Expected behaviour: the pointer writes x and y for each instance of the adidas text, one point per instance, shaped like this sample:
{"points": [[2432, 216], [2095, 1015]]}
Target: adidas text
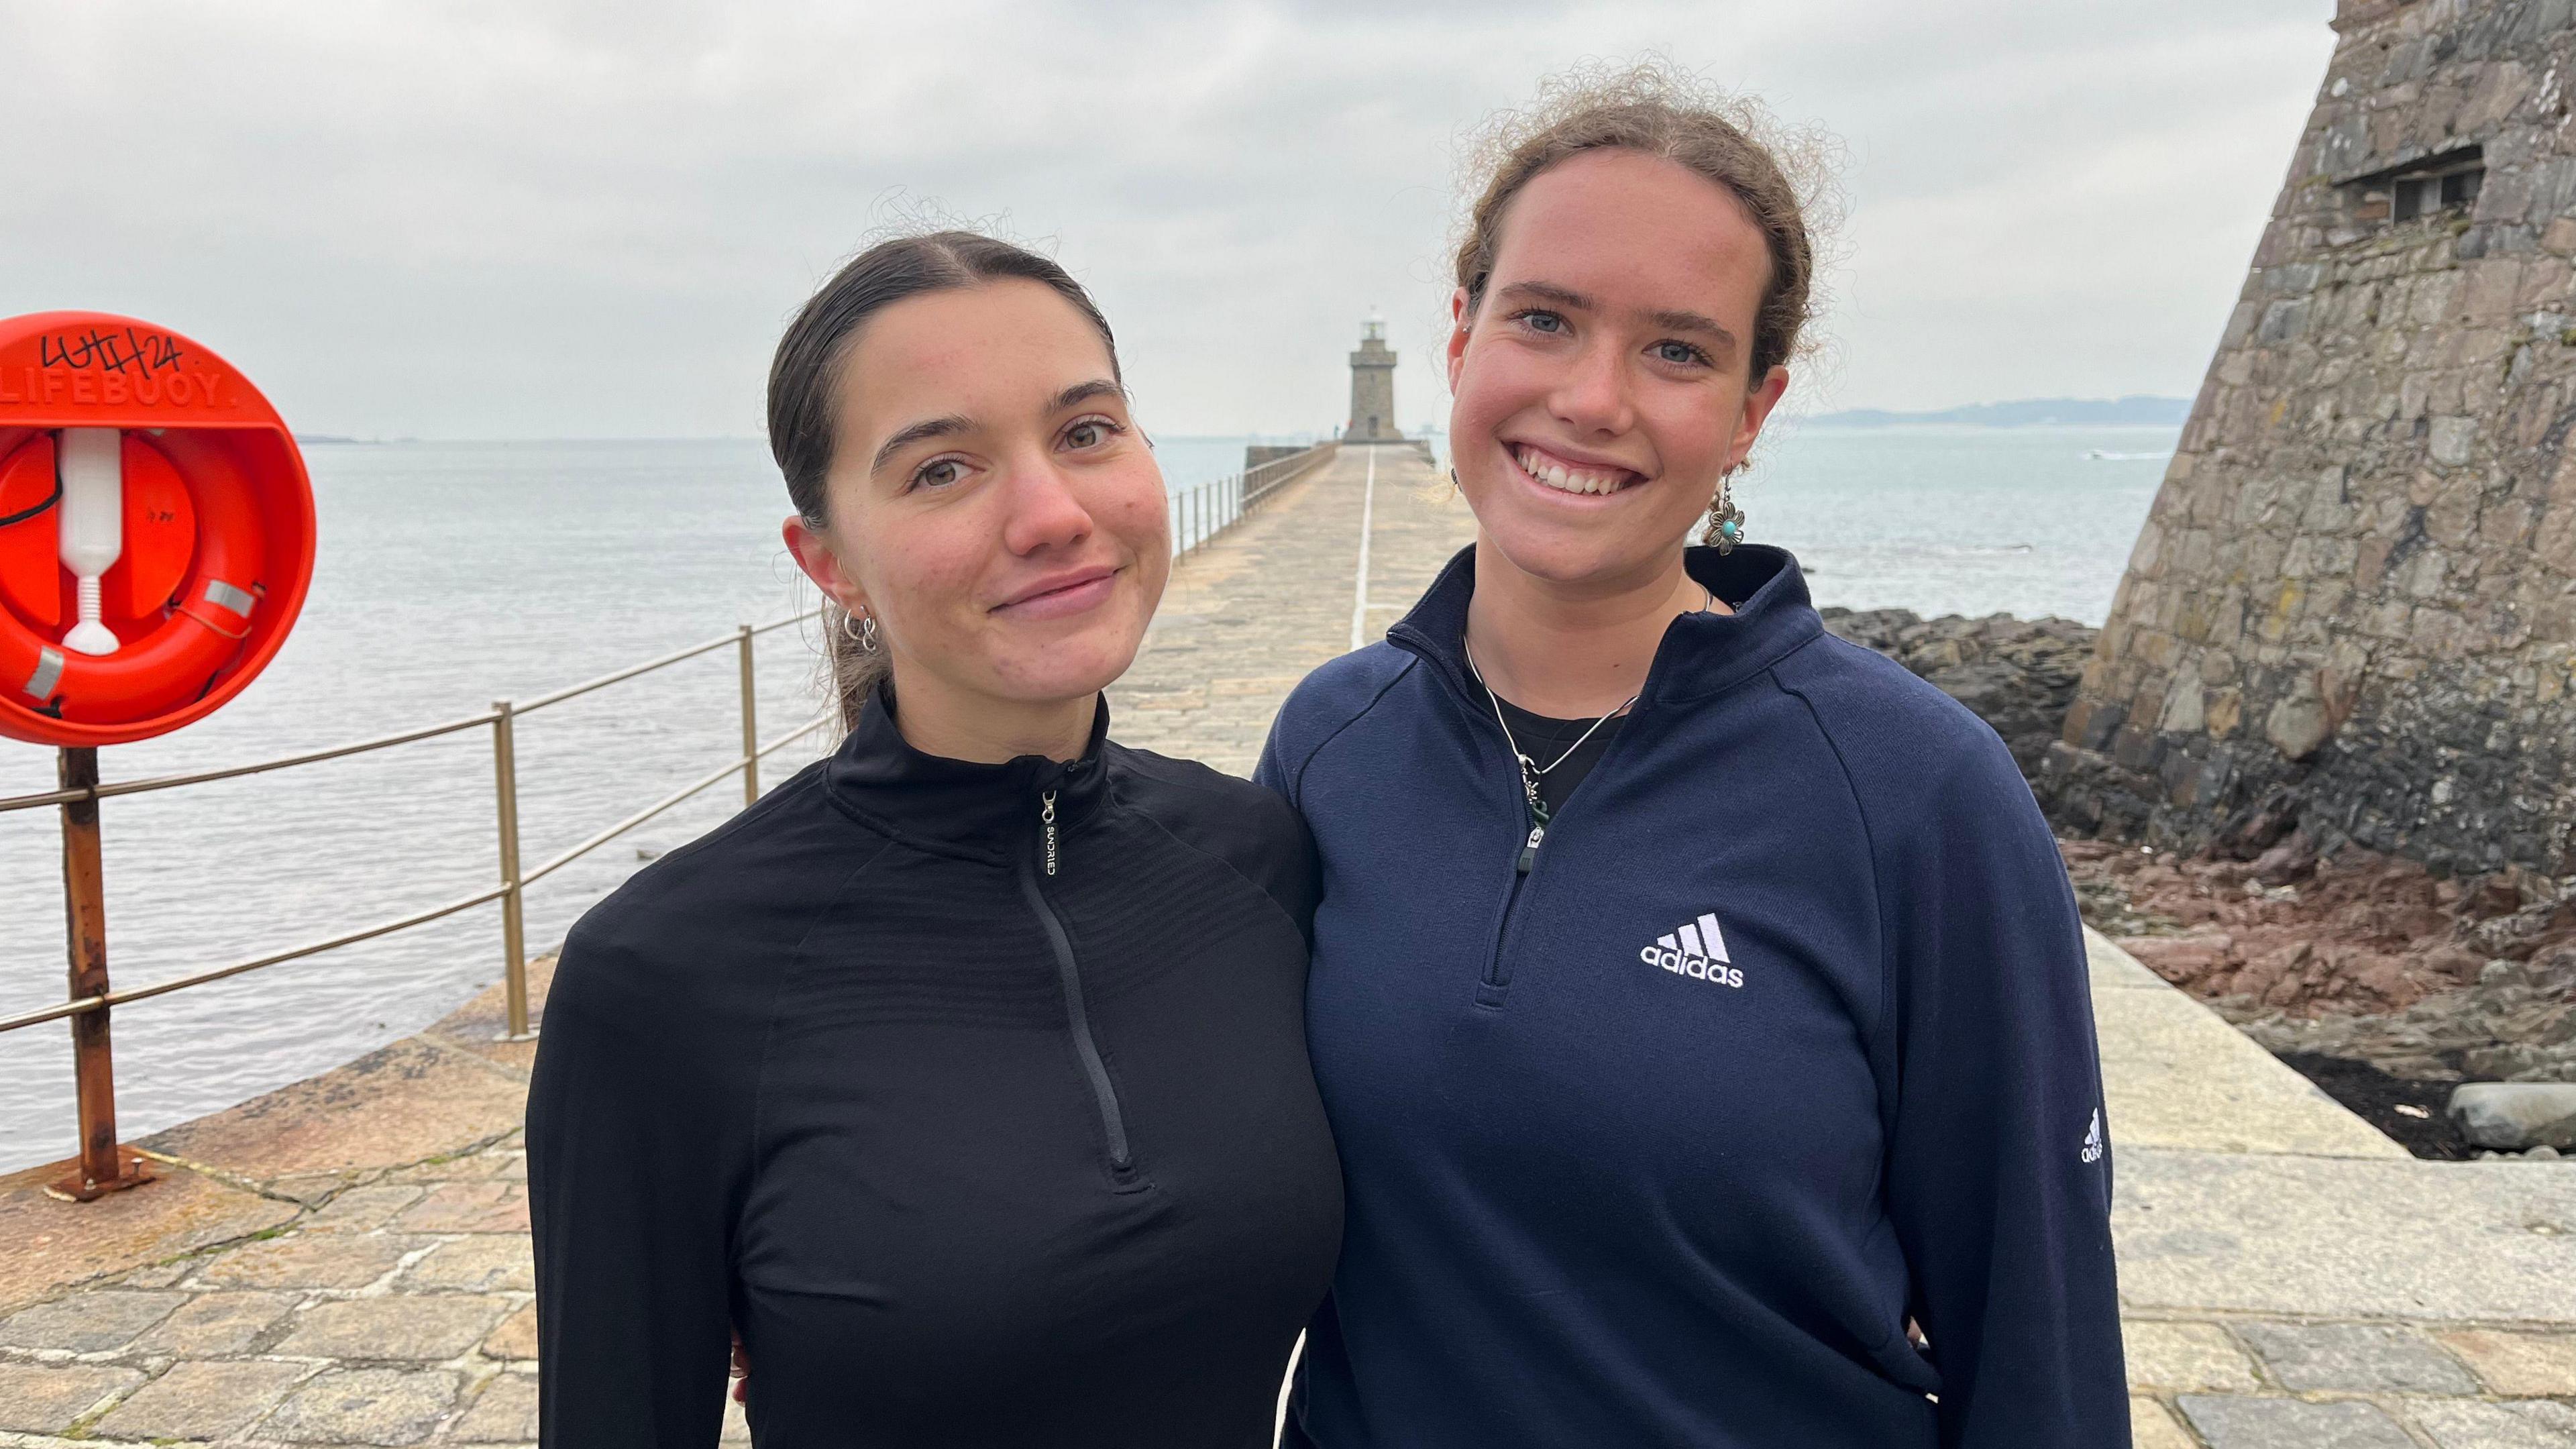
{"points": [[1697, 951]]}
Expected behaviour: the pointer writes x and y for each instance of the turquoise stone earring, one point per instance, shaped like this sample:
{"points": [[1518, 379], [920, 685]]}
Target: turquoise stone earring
{"points": [[1725, 520]]}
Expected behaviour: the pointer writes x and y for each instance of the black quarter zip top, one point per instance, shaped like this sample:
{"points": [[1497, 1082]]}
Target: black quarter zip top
{"points": [[975, 1096]]}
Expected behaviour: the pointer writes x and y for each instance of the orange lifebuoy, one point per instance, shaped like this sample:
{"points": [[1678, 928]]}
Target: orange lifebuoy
{"points": [[192, 633], [216, 544]]}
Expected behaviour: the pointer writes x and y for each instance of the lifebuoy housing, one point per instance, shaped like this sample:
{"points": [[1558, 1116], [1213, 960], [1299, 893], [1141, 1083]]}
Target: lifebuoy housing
{"points": [[156, 530]]}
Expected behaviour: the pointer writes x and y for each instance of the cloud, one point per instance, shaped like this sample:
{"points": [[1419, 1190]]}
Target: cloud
{"points": [[558, 219]]}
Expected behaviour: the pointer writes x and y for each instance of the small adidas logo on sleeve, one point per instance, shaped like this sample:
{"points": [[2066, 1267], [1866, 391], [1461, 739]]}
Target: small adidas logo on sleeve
{"points": [[1696, 950], [2093, 1146]]}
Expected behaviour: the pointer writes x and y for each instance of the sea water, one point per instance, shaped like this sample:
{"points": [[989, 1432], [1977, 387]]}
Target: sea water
{"points": [[451, 575]]}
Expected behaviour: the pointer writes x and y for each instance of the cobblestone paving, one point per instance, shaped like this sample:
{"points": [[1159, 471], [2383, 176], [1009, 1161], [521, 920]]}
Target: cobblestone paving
{"points": [[346, 1261], [392, 1306], [2252, 1383]]}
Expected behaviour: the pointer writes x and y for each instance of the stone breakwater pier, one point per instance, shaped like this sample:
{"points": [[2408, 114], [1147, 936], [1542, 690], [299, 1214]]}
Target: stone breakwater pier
{"points": [[345, 1261]]}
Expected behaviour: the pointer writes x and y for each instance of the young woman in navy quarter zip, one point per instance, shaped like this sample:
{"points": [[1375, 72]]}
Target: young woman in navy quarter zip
{"points": [[964, 1075], [1698, 1000]]}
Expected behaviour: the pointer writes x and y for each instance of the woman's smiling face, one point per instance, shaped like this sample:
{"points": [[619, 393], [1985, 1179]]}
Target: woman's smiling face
{"points": [[992, 504], [1601, 383]]}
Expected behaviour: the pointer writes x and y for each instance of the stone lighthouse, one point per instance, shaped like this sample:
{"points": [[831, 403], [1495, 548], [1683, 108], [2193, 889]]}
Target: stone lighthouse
{"points": [[1373, 388]]}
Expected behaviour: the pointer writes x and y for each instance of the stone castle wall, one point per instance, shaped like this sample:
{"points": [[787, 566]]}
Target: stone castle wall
{"points": [[2353, 606]]}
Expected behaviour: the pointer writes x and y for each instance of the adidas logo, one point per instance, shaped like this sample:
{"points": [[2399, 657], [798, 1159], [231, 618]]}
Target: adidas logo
{"points": [[1697, 951], [2093, 1139]]}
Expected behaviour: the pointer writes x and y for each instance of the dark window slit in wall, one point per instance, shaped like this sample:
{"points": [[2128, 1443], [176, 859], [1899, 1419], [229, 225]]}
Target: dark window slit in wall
{"points": [[2427, 186]]}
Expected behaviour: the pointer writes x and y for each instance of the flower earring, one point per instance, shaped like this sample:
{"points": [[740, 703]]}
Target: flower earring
{"points": [[1725, 520]]}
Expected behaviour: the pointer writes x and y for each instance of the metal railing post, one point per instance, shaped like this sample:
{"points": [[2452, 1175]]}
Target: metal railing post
{"points": [[750, 724], [102, 1168], [514, 952]]}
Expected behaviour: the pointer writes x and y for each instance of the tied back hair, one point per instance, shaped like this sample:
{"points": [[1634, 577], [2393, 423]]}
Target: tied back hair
{"points": [[1782, 178], [808, 379]]}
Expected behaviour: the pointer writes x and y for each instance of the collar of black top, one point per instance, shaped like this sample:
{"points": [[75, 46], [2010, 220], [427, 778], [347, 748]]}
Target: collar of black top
{"points": [[1702, 653], [989, 812]]}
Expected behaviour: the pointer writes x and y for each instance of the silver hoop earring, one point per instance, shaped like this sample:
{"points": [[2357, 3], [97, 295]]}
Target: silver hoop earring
{"points": [[865, 636]]}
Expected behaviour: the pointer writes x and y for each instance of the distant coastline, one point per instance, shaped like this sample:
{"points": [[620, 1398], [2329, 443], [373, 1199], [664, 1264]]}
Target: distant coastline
{"points": [[2032, 412]]}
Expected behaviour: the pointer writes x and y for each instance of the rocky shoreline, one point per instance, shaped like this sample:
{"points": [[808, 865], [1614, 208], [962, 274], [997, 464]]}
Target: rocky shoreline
{"points": [[2382, 981]]}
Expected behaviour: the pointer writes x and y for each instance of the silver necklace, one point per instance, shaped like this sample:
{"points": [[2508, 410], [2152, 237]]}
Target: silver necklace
{"points": [[1532, 772]]}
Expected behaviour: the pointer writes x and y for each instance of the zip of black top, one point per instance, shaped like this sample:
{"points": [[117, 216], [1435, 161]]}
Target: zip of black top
{"points": [[1113, 1122]]}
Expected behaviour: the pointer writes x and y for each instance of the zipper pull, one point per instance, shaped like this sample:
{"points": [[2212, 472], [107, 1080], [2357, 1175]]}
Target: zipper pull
{"points": [[1529, 848], [1046, 818]]}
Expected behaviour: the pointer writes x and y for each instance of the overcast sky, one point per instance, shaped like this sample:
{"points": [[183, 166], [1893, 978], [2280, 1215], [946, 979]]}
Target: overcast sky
{"points": [[543, 219]]}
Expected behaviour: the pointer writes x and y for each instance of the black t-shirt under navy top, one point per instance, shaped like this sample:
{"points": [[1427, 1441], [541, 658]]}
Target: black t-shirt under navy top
{"points": [[1560, 747], [976, 1095], [1782, 1039]]}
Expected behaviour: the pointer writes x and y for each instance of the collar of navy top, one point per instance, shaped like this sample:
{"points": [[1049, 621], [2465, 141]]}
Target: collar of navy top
{"points": [[1702, 653], [959, 807]]}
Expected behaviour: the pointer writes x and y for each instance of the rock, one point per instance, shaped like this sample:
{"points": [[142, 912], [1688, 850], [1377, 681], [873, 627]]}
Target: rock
{"points": [[2544, 1152], [2180, 959], [2499, 894], [2515, 1116], [2506, 1059], [2459, 967], [2300, 722], [2293, 859], [2274, 969], [2417, 1069]]}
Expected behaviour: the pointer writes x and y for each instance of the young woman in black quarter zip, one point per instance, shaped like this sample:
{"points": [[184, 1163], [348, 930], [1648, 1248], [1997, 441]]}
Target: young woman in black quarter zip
{"points": [[964, 1075]]}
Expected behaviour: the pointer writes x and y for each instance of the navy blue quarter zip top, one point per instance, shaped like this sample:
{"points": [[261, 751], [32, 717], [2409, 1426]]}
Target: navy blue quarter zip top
{"points": [[1661, 1132]]}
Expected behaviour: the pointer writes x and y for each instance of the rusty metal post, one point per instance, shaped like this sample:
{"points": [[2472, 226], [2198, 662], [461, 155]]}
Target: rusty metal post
{"points": [[750, 724], [103, 1168], [514, 962]]}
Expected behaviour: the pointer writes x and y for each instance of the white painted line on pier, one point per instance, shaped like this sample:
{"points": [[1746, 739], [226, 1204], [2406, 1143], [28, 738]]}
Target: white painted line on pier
{"points": [[1359, 590]]}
